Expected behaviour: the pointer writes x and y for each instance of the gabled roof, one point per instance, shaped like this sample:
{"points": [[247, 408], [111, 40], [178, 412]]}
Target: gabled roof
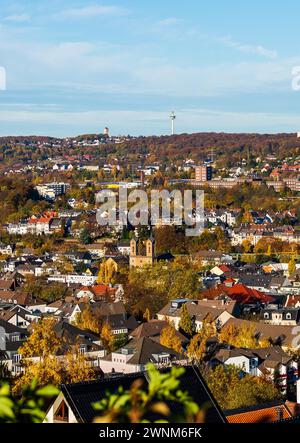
{"points": [[10, 328], [15, 296], [80, 396], [7, 284], [153, 329], [239, 292], [75, 336], [99, 291], [198, 310], [144, 348]]}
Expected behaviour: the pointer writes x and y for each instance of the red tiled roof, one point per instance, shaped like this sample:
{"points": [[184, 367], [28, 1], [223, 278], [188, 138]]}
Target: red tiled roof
{"points": [[238, 292], [229, 280], [264, 415], [99, 290], [224, 268]]}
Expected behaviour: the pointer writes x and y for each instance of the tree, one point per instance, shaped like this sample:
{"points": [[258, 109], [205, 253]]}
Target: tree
{"points": [[42, 342], [292, 266], [28, 407], [107, 337], [106, 272], [147, 315], [242, 337], [232, 390], [247, 245], [119, 341], [85, 237], [77, 368], [86, 320], [170, 339], [41, 363], [198, 345], [39, 357], [186, 324]]}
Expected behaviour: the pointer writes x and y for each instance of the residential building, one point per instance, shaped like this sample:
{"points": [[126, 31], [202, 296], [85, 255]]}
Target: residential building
{"points": [[134, 357], [73, 403]]}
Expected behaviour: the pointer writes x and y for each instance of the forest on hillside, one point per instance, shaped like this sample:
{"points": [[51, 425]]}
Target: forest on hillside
{"points": [[227, 149]]}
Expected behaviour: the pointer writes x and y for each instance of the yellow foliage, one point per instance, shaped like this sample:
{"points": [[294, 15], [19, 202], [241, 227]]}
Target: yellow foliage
{"points": [[169, 339]]}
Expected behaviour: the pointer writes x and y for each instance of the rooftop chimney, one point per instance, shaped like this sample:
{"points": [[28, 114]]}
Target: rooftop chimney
{"points": [[279, 411]]}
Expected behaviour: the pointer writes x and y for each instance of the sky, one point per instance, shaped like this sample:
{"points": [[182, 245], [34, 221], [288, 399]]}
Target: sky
{"points": [[74, 66]]}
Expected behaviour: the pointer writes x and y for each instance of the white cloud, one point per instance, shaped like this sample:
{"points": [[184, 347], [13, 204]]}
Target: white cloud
{"points": [[91, 11], [18, 18], [250, 49], [170, 21]]}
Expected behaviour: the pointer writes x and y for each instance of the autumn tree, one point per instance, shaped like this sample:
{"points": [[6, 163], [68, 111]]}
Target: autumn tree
{"points": [[39, 357], [106, 272], [170, 339], [186, 324], [41, 360], [198, 345], [107, 337], [86, 320], [233, 391], [147, 315], [292, 266], [241, 337], [76, 367]]}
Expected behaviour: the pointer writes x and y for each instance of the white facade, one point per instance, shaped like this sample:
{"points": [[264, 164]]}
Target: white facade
{"points": [[84, 280]]}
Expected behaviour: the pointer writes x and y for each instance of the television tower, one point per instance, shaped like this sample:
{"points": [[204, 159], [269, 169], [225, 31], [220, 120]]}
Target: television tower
{"points": [[172, 117]]}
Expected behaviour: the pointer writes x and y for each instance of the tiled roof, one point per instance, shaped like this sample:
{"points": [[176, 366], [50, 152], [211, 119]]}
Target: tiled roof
{"points": [[153, 329], [260, 414]]}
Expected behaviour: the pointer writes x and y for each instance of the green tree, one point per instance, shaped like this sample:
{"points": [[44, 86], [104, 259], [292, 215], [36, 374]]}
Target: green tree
{"points": [[29, 407], [85, 237]]}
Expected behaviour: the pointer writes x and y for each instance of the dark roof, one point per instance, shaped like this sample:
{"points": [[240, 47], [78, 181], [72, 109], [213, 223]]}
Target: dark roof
{"points": [[71, 332], [256, 280], [153, 329], [10, 328], [80, 396], [167, 256]]}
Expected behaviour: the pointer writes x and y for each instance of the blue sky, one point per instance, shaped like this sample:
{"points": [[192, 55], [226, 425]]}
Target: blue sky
{"points": [[76, 66]]}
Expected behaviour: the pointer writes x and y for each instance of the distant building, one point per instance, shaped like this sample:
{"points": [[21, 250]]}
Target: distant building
{"points": [[138, 258], [106, 131], [203, 173], [50, 191]]}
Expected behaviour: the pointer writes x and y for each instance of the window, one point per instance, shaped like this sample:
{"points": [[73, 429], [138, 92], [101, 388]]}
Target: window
{"points": [[62, 413], [266, 315], [82, 349], [288, 316]]}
